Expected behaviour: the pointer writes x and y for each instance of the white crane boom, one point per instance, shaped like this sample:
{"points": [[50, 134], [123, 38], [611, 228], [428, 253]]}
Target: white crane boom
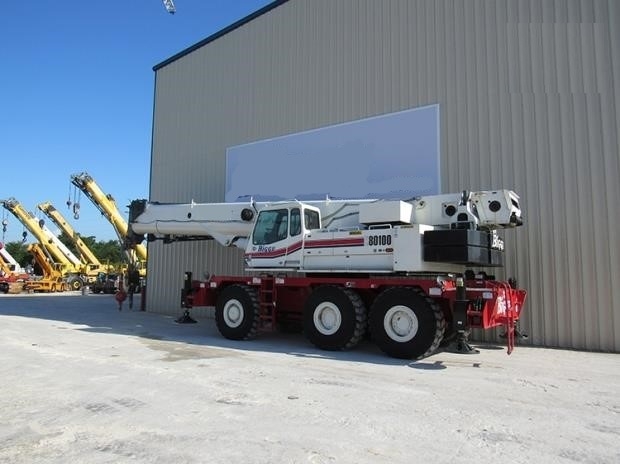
{"points": [[228, 222], [343, 235]]}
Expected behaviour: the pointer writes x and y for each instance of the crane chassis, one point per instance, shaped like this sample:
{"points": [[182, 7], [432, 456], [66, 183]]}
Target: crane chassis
{"points": [[406, 316]]}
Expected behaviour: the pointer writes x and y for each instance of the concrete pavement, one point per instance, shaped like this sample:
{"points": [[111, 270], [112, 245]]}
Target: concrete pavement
{"points": [[82, 382]]}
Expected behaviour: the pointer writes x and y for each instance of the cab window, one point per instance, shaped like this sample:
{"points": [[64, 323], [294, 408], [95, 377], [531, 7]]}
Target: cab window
{"points": [[311, 219], [271, 226], [295, 222]]}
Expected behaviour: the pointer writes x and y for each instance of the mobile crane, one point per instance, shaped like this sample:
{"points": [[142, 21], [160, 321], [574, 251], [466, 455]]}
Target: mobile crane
{"points": [[6, 277], [9, 262], [107, 206], [11, 273], [402, 269], [93, 267], [98, 275], [6, 269], [70, 265], [53, 274]]}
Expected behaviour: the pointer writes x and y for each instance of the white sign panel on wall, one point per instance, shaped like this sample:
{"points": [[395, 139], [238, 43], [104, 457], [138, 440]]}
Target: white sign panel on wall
{"points": [[390, 156]]}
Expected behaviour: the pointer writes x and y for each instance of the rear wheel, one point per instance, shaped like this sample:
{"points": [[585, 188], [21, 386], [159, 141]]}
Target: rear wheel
{"points": [[404, 323], [75, 283], [334, 318], [236, 312]]}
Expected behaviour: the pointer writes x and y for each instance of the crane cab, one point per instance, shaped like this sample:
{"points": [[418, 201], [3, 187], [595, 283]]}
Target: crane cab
{"points": [[278, 235]]}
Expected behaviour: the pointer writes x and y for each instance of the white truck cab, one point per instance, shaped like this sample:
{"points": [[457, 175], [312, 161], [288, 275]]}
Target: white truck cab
{"points": [[279, 233]]}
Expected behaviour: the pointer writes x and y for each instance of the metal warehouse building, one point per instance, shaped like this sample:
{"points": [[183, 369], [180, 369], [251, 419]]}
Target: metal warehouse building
{"points": [[529, 99]]}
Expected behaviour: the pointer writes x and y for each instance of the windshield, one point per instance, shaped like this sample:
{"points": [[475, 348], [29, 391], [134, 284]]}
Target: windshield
{"points": [[271, 226]]}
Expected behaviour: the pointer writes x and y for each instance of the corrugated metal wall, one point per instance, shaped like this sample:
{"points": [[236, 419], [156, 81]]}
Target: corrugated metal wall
{"points": [[529, 94]]}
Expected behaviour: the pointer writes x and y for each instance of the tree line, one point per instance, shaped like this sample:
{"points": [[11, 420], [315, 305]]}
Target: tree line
{"points": [[107, 252]]}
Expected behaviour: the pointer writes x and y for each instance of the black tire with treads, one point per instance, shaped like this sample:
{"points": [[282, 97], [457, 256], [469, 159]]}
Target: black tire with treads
{"points": [[237, 312], [334, 318], [405, 323]]}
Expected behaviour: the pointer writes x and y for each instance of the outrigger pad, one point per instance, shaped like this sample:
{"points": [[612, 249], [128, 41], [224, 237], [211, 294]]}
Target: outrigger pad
{"points": [[461, 346], [518, 335], [185, 319]]}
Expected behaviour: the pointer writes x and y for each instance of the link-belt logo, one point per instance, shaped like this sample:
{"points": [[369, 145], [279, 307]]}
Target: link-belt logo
{"points": [[263, 249]]}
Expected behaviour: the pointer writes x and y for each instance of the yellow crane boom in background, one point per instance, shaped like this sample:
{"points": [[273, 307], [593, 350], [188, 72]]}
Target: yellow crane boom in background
{"points": [[92, 263], [107, 206], [37, 228], [70, 266]]}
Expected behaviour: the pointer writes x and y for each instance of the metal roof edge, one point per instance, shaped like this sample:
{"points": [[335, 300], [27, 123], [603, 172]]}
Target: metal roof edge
{"points": [[220, 33]]}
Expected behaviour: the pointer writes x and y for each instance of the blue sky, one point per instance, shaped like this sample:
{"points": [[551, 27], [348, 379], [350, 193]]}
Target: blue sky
{"points": [[76, 94]]}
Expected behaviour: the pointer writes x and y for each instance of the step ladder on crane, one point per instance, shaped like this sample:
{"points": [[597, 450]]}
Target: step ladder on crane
{"points": [[266, 303]]}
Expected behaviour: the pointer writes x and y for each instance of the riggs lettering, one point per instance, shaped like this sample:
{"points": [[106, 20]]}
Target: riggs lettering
{"points": [[263, 249]]}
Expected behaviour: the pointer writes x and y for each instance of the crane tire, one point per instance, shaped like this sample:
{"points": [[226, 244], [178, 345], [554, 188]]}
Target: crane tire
{"points": [[237, 312], [75, 283], [405, 323], [334, 318]]}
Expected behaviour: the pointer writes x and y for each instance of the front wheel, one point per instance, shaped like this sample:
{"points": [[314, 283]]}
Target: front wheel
{"points": [[75, 283], [404, 323], [237, 312], [334, 318]]}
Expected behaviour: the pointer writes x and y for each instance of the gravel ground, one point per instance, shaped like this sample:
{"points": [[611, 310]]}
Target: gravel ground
{"points": [[82, 382]]}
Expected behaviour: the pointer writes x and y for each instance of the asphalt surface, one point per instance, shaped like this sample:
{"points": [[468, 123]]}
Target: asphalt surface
{"points": [[82, 382]]}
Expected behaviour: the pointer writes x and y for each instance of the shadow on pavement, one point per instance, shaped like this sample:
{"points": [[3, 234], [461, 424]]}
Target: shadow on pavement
{"points": [[100, 314]]}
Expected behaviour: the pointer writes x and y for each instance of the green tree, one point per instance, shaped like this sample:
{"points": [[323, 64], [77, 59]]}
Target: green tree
{"points": [[68, 242], [19, 251], [107, 252]]}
